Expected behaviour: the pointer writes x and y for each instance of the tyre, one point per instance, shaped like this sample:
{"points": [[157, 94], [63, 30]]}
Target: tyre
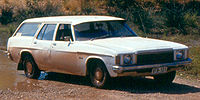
{"points": [[165, 78], [99, 76], [30, 68]]}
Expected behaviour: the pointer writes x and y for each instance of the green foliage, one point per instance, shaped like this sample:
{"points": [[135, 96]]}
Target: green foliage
{"points": [[149, 16], [190, 19], [31, 8], [194, 68], [37, 8], [87, 10], [166, 17], [6, 14], [178, 17], [194, 6], [134, 11]]}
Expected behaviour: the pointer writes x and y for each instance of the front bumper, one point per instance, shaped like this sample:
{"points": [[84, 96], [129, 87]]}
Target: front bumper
{"points": [[138, 70]]}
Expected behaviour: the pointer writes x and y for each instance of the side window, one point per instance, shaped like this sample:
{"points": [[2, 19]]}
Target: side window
{"points": [[41, 33], [64, 33], [28, 29], [47, 32]]}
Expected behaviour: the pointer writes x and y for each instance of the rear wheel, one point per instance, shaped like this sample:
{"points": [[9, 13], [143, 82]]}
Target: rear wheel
{"points": [[165, 78], [98, 75], [30, 68]]}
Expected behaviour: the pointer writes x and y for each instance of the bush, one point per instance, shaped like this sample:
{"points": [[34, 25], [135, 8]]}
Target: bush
{"points": [[37, 8], [15, 11], [155, 16], [6, 14], [178, 18], [194, 6], [149, 16], [135, 11]]}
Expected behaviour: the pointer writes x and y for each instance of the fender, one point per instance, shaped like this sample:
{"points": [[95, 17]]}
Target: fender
{"points": [[97, 57], [25, 50], [20, 65]]}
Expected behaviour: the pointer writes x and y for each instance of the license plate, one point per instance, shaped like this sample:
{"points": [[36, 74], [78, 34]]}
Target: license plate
{"points": [[159, 70]]}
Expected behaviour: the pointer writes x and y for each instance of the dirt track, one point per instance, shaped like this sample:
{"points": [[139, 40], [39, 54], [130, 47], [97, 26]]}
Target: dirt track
{"points": [[77, 88], [59, 86]]}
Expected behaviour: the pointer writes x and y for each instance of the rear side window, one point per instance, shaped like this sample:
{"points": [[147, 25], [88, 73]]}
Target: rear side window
{"points": [[28, 29], [47, 32]]}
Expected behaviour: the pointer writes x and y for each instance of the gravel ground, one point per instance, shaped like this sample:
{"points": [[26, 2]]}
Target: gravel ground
{"points": [[60, 87], [54, 86]]}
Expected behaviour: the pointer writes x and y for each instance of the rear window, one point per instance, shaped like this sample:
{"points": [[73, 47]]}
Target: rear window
{"points": [[28, 29]]}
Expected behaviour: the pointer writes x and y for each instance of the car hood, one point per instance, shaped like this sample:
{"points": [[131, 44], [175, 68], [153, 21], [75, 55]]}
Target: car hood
{"points": [[134, 44]]}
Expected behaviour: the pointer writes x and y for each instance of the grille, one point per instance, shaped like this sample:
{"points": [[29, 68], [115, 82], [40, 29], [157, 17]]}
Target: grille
{"points": [[155, 58]]}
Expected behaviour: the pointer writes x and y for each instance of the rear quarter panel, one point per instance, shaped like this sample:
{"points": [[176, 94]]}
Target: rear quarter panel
{"points": [[17, 44]]}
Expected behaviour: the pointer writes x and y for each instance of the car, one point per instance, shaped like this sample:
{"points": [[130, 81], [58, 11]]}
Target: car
{"points": [[100, 47]]}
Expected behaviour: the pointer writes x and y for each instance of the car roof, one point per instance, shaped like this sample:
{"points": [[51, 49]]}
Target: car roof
{"points": [[72, 19]]}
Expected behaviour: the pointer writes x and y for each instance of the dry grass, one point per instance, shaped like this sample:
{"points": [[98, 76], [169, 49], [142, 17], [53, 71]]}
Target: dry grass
{"points": [[73, 7]]}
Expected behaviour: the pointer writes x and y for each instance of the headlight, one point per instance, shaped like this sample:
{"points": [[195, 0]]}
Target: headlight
{"points": [[179, 54], [125, 59]]}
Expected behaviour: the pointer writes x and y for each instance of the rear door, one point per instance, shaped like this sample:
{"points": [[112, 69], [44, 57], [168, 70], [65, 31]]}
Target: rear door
{"points": [[42, 44], [63, 53]]}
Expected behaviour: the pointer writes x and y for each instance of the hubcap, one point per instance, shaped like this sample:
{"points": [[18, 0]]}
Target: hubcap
{"points": [[98, 75], [29, 68]]}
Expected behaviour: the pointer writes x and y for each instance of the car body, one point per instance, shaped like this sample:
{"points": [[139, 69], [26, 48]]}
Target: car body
{"points": [[98, 46]]}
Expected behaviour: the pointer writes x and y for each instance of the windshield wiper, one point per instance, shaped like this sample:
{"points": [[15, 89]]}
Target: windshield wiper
{"points": [[100, 37]]}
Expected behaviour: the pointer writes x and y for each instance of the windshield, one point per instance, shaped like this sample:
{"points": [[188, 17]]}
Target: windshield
{"points": [[102, 29]]}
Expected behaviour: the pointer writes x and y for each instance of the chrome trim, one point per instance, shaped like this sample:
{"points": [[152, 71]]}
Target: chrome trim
{"points": [[153, 51], [121, 69]]}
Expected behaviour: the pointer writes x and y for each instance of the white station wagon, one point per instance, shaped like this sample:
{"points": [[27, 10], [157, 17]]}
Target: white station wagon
{"points": [[101, 47]]}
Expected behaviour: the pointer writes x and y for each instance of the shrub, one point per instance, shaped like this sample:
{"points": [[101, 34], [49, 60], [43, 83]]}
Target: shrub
{"points": [[141, 13], [37, 8], [194, 6], [6, 14], [178, 18], [150, 16]]}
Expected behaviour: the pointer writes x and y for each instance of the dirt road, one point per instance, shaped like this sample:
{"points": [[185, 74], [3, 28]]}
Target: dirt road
{"points": [[14, 85]]}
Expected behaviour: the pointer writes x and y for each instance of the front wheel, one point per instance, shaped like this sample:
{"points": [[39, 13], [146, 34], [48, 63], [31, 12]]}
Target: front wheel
{"points": [[30, 68], [165, 78], [99, 76]]}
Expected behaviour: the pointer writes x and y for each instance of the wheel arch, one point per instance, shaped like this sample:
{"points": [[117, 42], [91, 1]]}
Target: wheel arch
{"points": [[91, 60], [23, 53]]}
